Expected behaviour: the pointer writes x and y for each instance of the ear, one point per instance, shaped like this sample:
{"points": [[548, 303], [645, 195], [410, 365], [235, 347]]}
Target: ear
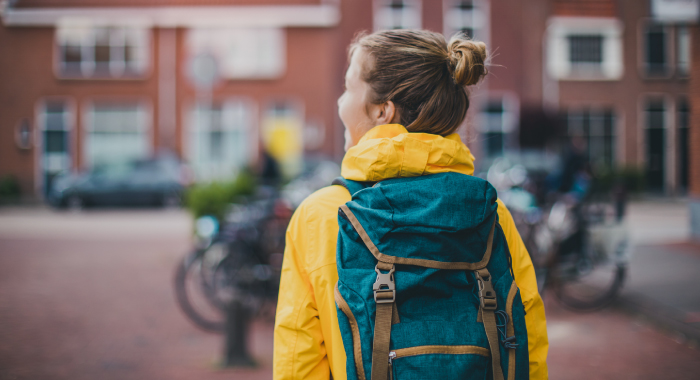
{"points": [[386, 113]]}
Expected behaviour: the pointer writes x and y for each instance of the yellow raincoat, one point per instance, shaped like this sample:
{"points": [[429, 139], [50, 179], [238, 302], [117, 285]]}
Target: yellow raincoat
{"points": [[307, 343]]}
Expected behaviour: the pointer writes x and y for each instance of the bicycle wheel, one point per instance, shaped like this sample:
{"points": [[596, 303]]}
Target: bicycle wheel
{"points": [[587, 280], [239, 276], [194, 288]]}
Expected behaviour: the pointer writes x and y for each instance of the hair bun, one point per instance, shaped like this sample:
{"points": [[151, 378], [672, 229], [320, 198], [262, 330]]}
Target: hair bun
{"points": [[466, 60]]}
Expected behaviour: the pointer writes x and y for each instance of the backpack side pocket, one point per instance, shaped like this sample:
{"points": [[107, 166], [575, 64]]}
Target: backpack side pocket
{"points": [[355, 332]]}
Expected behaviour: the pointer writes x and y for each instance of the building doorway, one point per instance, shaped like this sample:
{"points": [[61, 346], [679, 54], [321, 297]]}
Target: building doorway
{"points": [[655, 119], [683, 144], [55, 126]]}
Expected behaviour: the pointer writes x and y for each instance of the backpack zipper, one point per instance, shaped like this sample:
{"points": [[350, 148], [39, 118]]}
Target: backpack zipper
{"points": [[392, 356]]}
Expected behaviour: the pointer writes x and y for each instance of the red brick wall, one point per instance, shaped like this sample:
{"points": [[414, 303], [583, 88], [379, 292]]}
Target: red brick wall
{"points": [[694, 146], [27, 77], [14, 89], [584, 8]]}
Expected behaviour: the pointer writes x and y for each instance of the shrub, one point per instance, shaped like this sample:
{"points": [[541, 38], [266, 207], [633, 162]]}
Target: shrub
{"points": [[214, 198], [9, 188], [631, 178]]}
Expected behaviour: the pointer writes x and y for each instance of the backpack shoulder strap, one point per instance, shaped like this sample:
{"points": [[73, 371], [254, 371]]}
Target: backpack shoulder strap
{"points": [[487, 297], [350, 185]]}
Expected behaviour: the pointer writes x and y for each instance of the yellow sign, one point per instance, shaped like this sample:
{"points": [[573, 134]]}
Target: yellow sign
{"points": [[283, 139]]}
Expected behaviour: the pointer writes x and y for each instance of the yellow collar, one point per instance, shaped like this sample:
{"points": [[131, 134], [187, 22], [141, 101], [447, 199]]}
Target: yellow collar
{"points": [[390, 151]]}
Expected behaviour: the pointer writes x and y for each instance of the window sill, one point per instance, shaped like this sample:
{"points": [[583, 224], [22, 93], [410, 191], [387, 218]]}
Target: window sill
{"points": [[667, 78], [135, 77], [588, 78]]}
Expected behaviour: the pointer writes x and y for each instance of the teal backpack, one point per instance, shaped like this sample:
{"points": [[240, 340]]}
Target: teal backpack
{"points": [[425, 286]]}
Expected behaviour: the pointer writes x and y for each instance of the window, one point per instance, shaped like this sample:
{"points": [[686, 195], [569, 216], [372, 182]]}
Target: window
{"points": [[584, 48], [55, 124], [683, 118], [493, 134], [655, 123], [597, 127], [102, 52], [683, 51], [464, 16], [397, 14], [219, 143], [498, 120], [656, 45], [242, 53], [117, 132]]}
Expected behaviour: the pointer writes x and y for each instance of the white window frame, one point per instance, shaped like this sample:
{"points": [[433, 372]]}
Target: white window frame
{"points": [[675, 10], [88, 124], [84, 35], [510, 117], [411, 15], [559, 65], [203, 171], [684, 48], [233, 48], [477, 19]]}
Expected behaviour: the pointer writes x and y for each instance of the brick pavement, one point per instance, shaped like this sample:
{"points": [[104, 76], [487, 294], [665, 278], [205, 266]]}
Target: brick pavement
{"points": [[662, 285], [89, 297], [611, 344]]}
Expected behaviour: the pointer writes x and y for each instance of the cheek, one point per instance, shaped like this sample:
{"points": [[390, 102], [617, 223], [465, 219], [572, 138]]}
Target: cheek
{"points": [[348, 140], [343, 109]]}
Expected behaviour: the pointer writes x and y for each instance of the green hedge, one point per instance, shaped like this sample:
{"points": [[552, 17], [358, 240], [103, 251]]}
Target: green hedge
{"points": [[9, 188], [214, 198], [631, 178]]}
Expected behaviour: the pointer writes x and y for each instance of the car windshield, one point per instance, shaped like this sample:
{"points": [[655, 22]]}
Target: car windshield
{"points": [[148, 170], [113, 170]]}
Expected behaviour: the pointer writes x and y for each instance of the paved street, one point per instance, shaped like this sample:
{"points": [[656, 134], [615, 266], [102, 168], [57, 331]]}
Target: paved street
{"points": [[89, 296], [611, 344]]}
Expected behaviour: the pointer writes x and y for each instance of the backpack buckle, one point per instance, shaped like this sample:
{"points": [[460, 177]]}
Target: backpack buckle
{"points": [[487, 296], [384, 286]]}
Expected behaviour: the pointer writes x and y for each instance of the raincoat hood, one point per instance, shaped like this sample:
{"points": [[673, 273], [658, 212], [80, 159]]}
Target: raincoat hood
{"points": [[390, 151]]}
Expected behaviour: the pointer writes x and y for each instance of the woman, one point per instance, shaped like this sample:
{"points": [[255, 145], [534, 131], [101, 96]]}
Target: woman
{"points": [[404, 99]]}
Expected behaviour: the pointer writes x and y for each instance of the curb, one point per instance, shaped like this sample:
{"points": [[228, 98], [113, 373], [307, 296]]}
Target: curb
{"points": [[666, 318]]}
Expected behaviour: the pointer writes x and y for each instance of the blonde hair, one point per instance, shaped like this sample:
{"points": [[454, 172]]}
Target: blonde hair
{"points": [[423, 76]]}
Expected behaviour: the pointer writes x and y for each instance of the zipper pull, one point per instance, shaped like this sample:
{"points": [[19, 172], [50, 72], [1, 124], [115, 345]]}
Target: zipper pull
{"points": [[392, 356]]}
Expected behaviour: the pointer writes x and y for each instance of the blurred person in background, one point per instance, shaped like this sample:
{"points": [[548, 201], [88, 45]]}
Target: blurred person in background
{"points": [[575, 176], [270, 173], [405, 97]]}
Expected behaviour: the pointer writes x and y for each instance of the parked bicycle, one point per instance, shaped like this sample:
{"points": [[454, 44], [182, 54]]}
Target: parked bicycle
{"points": [[241, 258], [578, 243]]}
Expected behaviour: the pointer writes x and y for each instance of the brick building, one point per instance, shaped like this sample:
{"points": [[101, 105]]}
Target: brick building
{"points": [[624, 82], [85, 81], [615, 72]]}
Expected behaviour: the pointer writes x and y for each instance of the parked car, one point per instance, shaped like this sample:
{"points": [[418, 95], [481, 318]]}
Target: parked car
{"points": [[156, 181]]}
